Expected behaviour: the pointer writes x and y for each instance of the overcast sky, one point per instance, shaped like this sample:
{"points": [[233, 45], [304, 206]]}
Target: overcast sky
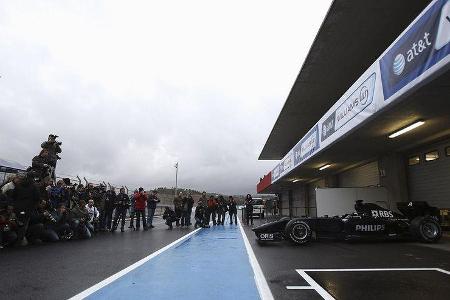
{"points": [[131, 87]]}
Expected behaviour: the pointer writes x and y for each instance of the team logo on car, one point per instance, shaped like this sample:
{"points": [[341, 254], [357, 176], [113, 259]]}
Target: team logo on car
{"points": [[370, 228], [266, 236], [382, 214]]}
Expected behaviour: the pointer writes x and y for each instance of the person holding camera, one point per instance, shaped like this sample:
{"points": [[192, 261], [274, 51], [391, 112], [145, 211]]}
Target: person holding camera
{"points": [[93, 216], [199, 215], [122, 204], [249, 209], [232, 210], [110, 201], [170, 216], [139, 209], [8, 226], [151, 207], [211, 209]]}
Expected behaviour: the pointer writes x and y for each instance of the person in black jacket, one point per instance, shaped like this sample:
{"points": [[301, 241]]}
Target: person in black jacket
{"points": [[152, 200], [170, 216], [122, 204], [25, 200], [232, 210], [200, 212], [190, 204], [110, 200], [221, 210], [249, 209]]}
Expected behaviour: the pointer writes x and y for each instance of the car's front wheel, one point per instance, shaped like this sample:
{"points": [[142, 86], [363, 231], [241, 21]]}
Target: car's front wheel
{"points": [[298, 231], [426, 229]]}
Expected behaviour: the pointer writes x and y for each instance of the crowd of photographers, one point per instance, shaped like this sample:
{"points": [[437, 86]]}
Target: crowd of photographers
{"points": [[34, 212]]}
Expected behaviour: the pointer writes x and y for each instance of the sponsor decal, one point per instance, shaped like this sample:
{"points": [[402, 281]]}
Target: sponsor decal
{"points": [[370, 228], [382, 214], [422, 46], [360, 99], [276, 173], [266, 236], [287, 163], [307, 145]]}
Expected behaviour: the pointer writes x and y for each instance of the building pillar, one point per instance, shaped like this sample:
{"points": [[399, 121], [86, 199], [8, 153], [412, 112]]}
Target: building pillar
{"points": [[393, 177]]}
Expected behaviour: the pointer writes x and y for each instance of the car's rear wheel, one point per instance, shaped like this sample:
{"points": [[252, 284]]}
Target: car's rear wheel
{"points": [[298, 232], [426, 229]]}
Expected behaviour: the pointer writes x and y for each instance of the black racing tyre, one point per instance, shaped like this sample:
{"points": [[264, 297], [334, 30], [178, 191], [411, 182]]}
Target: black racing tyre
{"points": [[298, 232], [426, 229]]}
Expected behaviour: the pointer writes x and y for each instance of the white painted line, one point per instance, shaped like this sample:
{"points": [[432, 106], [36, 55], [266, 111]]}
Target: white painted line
{"points": [[443, 271], [325, 295], [319, 289], [119, 274], [374, 270], [261, 283], [298, 287]]}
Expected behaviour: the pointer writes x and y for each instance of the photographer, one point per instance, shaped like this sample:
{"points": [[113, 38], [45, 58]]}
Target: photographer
{"points": [[25, 199], [221, 210], [78, 219], [110, 201], [249, 209], [122, 204], [151, 207], [139, 208], [170, 216], [211, 210], [200, 215], [61, 226], [93, 216], [44, 216], [178, 206], [54, 148], [190, 204], [232, 208], [8, 225]]}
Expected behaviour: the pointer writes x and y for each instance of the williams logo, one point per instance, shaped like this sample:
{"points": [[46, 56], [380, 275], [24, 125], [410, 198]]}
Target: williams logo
{"points": [[399, 64]]}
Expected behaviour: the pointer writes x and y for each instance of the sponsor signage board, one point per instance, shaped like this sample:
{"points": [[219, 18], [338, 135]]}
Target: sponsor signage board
{"points": [[423, 45], [361, 98], [307, 145]]}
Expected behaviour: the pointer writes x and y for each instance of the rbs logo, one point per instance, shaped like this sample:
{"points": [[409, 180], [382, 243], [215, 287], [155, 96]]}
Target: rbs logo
{"points": [[416, 49]]}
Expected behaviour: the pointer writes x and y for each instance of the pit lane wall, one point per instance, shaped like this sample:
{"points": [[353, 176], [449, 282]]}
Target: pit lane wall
{"points": [[419, 54]]}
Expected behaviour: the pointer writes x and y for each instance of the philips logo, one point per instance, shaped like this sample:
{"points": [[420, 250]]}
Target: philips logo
{"points": [[416, 49], [370, 228], [399, 64]]}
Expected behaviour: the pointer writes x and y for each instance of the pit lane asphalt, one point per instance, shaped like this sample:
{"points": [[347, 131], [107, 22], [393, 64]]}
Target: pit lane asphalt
{"points": [[280, 260], [61, 270]]}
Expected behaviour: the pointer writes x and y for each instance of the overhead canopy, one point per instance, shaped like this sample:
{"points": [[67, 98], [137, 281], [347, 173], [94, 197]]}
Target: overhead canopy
{"points": [[11, 164], [429, 103], [352, 36]]}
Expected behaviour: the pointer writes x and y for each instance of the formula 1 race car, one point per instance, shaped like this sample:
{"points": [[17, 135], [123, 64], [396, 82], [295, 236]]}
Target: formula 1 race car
{"points": [[418, 221]]}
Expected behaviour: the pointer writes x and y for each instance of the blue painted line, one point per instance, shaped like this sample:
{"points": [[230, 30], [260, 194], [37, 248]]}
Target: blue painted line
{"points": [[212, 264]]}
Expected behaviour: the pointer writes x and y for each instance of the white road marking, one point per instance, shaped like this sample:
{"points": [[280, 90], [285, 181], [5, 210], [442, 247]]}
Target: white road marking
{"points": [[261, 283], [319, 289], [119, 274], [325, 295], [299, 287]]}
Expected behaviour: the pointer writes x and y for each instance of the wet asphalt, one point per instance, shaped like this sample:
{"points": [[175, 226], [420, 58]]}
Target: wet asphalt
{"points": [[280, 260], [64, 269]]}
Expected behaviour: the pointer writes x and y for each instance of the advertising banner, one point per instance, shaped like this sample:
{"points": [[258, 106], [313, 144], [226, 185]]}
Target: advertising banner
{"points": [[425, 43], [307, 145], [361, 98]]}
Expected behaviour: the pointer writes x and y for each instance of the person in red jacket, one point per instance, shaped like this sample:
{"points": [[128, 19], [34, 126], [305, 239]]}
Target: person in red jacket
{"points": [[140, 200]]}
